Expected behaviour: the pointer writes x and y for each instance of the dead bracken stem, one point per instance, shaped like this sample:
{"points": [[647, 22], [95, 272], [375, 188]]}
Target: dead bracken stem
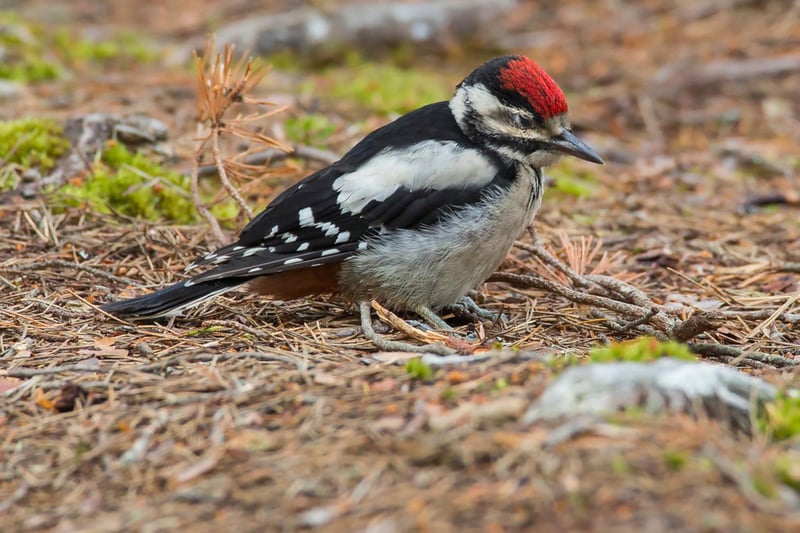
{"points": [[223, 81]]}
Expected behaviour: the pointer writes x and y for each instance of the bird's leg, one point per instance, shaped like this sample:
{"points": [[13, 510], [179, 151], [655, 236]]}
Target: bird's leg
{"points": [[468, 307], [439, 323], [432, 318], [395, 346]]}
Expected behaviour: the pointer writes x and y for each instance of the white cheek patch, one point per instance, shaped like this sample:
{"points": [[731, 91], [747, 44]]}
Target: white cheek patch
{"points": [[426, 165], [492, 111]]}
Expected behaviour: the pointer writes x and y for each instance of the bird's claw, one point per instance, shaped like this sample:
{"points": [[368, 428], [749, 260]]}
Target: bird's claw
{"points": [[467, 307]]}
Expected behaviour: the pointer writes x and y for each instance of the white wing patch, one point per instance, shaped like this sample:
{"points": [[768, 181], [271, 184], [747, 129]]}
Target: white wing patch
{"points": [[305, 217], [426, 165]]}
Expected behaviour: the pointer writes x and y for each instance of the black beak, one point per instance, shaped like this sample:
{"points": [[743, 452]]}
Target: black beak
{"points": [[568, 143]]}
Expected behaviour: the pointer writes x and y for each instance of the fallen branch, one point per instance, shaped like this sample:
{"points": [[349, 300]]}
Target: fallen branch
{"points": [[316, 33], [667, 82], [716, 350], [668, 384]]}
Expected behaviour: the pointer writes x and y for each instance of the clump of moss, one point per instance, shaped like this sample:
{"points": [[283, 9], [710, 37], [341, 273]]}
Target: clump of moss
{"points": [[781, 418], [774, 476], [312, 129], [25, 56], [32, 142], [676, 460], [386, 89], [120, 47], [787, 467], [31, 53], [572, 181], [391, 86], [29, 143], [416, 369], [561, 362], [137, 185], [642, 349]]}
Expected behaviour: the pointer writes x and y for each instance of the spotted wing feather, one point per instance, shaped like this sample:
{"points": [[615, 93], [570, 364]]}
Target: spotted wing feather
{"points": [[327, 216]]}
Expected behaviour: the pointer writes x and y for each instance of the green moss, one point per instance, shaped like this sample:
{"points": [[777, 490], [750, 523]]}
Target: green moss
{"points": [[201, 331], [124, 47], [621, 466], [384, 88], [573, 181], [787, 468], [32, 53], [642, 349], [287, 61], [312, 129], [560, 362], [675, 459], [781, 418], [449, 394], [417, 369], [387, 89], [25, 54], [353, 82], [765, 486], [29, 143], [583, 219], [136, 185], [32, 142]]}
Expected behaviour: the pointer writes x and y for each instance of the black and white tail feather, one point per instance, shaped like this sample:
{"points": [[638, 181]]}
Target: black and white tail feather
{"points": [[172, 300]]}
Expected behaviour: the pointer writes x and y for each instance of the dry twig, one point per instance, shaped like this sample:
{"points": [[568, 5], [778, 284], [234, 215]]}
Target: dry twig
{"points": [[640, 313], [221, 82]]}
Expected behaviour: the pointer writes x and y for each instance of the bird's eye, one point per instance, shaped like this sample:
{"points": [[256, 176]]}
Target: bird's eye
{"points": [[522, 121]]}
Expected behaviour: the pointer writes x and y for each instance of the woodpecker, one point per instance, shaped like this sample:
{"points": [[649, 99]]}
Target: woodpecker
{"points": [[416, 215]]}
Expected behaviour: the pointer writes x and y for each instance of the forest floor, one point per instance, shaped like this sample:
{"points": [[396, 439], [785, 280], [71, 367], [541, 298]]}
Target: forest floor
{"points": [[264, 415]]}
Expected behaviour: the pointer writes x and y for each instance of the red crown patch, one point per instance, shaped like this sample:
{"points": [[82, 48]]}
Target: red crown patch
{"points": [[531, 81]]}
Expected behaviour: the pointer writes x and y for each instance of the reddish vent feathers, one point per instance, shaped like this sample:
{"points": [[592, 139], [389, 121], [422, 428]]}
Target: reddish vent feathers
{"points": [[531, 81]]}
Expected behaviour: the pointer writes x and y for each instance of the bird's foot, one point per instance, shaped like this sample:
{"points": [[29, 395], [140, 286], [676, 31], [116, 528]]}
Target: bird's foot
{"points": [[467, 307], [432, 318]]}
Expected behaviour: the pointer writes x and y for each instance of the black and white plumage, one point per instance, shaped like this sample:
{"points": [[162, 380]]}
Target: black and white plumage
{"points": [[416, 214]]}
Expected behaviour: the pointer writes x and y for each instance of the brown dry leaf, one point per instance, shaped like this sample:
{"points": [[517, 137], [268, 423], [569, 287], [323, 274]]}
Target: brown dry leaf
{"points": [[455, 377], [781, 284], [69, 394], [42, 401]]}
